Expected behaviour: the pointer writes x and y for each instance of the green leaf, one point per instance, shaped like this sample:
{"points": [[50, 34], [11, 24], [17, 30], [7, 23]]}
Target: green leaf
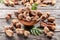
{"points": [[33, 8]]}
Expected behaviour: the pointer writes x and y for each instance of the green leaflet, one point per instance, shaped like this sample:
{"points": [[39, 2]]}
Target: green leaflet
{"points": [[32, 31], [34, 6], [36, 31], [41, 31]]}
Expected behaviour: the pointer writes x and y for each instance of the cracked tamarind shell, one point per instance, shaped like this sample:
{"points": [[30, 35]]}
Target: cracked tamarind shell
{"points": [[9, 33]]}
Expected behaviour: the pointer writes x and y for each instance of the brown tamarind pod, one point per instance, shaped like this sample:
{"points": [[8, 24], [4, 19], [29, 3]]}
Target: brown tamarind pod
{"points": [[53, 2], [31, 1], [49, 23], [51, 19], [39, 13], [28, 9], [20, 16], [18, 25], [46, 30], [6, 2], [50, 34], [19, 31], [23, 1], [11, 28], [21, 10], [16, 14], [7, 18], [11, 3], [28, 5], [43, 24], [14, 21], [9, 33], [51, 26], [45, 16]]}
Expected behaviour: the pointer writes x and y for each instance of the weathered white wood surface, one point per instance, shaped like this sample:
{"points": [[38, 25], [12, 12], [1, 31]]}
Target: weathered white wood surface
{"points": [[54, 10]]}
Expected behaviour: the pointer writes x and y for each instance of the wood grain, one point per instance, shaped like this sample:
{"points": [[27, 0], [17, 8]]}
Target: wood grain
{"points": [[54, 11], [3, 13]]}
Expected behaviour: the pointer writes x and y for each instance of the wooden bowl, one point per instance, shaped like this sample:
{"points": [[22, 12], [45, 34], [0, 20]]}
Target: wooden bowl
{"points": [[28, 23]]}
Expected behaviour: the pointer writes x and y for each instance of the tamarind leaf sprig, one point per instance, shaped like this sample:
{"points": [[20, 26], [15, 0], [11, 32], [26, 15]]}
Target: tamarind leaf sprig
{"points": [[36, 31]]}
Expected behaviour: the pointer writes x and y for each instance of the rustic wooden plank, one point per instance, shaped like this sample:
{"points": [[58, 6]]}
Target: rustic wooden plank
{"points": [[31, 37], [3, 13], [15, 37], [55, 7]]}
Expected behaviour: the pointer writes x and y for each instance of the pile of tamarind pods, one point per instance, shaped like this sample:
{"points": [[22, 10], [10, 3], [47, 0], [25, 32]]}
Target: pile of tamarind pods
{"points": [[30, 2], [11, 2], [39, 2], [15, 27], [47, 22], [49, 26]]}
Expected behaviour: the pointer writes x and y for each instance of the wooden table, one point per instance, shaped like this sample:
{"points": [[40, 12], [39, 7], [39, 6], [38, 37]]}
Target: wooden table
{"points": [[54, 10]]}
